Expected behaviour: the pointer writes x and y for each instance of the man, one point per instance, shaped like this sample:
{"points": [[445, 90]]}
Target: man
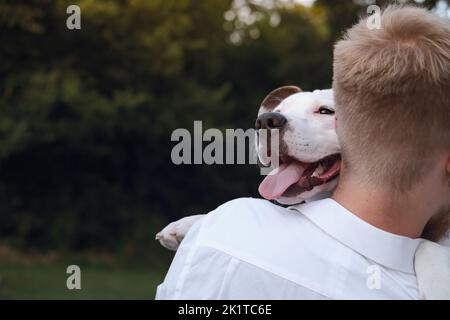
{"points": [[392, 92]]}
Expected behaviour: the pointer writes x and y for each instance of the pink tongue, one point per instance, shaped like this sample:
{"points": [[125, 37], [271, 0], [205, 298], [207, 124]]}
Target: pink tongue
{"points": [[275, 184]]}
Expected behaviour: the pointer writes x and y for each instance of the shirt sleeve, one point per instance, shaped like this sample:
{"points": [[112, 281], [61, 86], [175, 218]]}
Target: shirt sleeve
{"points": [[197, 272]]}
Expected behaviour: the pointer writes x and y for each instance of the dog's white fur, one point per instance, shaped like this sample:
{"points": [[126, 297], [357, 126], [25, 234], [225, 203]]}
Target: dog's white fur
{"points": [[309, 137], [432, 267], [171, 236]]}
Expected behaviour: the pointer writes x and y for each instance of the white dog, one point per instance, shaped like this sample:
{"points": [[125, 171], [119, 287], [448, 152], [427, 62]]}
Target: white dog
{"points": [[307, 138], [309, 170]]}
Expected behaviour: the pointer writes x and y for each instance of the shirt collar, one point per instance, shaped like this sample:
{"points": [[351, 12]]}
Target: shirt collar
{"points": [[387, 249]]}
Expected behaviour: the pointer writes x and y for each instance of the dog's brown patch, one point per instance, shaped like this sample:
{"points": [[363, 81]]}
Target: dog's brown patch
{"points": [[274, 98]]}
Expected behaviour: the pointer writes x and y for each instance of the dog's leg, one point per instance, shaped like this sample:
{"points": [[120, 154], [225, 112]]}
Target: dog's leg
{"points": [[171, 236]]}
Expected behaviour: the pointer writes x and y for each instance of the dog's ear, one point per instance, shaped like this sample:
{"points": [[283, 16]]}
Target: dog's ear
{"points": [[276, 97]]}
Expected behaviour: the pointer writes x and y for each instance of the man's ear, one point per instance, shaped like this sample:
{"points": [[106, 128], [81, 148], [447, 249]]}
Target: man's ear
{"points": [[276, 97]]}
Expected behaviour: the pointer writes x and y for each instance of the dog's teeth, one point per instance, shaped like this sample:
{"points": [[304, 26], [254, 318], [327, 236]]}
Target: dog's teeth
{"points": [[318, 171]]}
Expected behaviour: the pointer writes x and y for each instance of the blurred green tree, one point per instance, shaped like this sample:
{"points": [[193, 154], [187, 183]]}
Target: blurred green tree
{"points": [[86, 116]]}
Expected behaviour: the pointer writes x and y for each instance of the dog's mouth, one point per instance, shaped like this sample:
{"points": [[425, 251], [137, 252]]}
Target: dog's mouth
{"points": [[293, 177]]}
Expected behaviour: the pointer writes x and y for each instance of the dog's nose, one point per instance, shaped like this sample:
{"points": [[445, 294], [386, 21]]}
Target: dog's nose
{"points": [[270, 120]]}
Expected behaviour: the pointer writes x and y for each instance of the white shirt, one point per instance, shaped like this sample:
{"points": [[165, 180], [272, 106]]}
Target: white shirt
{"points": [[253, 249]]}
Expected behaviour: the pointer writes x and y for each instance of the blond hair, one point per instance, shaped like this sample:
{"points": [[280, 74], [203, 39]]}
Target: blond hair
{"points": [[392, 91]]}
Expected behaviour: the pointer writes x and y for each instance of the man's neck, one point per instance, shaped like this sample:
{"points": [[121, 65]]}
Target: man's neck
{"points": [[383, 210]]}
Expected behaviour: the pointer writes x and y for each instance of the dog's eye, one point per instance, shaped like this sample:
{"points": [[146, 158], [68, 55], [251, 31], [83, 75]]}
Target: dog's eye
{"points": [[325, 110]]}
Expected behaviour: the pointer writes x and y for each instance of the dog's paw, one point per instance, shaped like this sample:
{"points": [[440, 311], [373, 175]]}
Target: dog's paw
{"points": [[171, 236], [167, 237]]}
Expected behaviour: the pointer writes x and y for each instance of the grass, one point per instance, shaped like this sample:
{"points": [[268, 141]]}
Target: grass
{"points": [[49, 282], [40, 277]]}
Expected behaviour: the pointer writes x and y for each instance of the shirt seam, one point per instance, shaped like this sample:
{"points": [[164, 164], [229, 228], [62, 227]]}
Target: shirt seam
{"points": [[309, 286], [188, 263], [231, 267]]}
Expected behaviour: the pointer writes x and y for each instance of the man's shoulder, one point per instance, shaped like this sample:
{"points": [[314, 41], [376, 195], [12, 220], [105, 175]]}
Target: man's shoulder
{"points": [[274, 239], [253, 227], [248, 218], [248, 210]]}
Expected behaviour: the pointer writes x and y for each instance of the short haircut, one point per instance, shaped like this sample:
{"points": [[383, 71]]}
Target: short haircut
{"points": [[392, 91]]}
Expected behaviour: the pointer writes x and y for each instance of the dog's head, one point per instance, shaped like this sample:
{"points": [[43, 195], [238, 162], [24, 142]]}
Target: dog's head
{"points": [[309, 155]]}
